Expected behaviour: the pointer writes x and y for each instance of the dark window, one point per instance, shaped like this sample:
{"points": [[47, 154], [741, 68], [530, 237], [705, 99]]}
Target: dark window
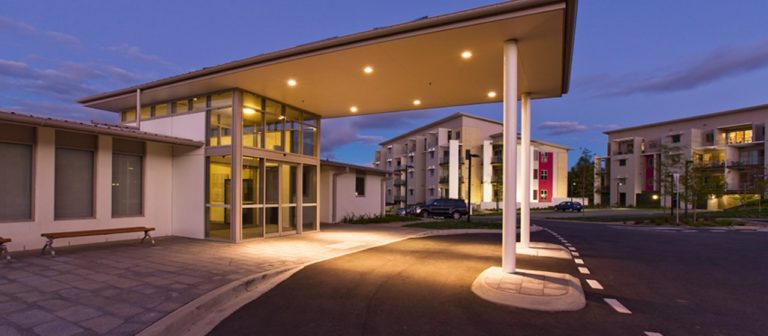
{"points": [[16, 173], [535, 174], [458, 135], [622, 162], [710, 137], [544, 175], [676, 138], [360, 185], [74, 175], [535, 194], [410, 191]]}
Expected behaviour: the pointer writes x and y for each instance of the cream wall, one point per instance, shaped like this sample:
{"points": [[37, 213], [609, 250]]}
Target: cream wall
{"points": [[157, 197], [347, 203]]}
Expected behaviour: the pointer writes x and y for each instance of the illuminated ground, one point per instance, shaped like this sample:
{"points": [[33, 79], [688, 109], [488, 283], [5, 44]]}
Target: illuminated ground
{"points": [[674, 283]]}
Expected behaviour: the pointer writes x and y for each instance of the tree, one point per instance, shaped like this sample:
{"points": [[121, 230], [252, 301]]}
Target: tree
{"points": [[703, 184], [581, 177]]}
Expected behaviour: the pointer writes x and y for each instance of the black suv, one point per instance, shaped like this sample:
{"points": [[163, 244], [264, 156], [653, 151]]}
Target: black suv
{"points": [[568, 206], [443, 207]]}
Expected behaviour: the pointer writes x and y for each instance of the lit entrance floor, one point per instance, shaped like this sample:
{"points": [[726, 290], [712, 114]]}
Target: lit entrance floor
{"points": [[121, 288]]}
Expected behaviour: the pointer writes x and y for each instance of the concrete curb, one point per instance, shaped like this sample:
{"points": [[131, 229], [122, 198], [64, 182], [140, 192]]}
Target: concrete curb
{"points": [[540, 249], [573, 298], [203, 314]]}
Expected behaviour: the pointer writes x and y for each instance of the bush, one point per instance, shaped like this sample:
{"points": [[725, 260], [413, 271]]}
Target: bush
{"points": [[375, 219]]}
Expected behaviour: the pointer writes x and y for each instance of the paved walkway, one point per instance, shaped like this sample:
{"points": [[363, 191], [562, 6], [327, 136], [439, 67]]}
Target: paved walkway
{"points": [[121, 288]]}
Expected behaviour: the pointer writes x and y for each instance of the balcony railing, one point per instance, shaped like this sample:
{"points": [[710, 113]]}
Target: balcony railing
{"points": [[497, 159], [446, 160], [444, 179], [399, 182], [747, 163], [709, 164]]}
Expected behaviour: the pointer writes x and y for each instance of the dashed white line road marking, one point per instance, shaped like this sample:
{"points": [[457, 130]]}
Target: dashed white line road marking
{"points": [[652, 333], [578, 261], [594, 284], [584, 270], [572, 248], [575, 254], [617, 306]]}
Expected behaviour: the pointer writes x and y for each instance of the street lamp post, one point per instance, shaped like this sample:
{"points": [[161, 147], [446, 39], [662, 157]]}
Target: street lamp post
{"points": [[686, 183], [469, 157]]}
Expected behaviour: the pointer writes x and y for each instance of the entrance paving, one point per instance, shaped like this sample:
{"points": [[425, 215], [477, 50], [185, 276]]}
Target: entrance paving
{"points": [[120, 288]]}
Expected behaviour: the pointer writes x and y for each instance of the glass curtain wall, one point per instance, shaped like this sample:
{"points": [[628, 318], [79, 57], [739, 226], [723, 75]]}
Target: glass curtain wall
{"points": [[309, 197], [253, 209], [219, 197]]}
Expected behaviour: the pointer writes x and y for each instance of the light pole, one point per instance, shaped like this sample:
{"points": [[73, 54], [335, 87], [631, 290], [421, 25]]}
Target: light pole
{"points": [[469, 157], [686, 183], [676, 177]]}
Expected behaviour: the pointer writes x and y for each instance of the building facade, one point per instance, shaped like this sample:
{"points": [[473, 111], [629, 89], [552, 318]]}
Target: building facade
{"points": [[350, 191], [430, 162], [642, 161]]}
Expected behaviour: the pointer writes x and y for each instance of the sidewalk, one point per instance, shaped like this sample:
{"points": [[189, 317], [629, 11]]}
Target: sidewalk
{"points": [[121, 288]]}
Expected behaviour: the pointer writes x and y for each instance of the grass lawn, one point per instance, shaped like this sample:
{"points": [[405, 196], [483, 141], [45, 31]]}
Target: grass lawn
{"points": [[380, 219], [455, 224]]}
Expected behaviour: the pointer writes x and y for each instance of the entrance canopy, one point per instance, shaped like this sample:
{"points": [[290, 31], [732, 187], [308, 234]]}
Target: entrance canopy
{"points": [[448, 60]]}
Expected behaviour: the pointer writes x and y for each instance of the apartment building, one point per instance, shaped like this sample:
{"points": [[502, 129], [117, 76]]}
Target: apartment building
{"points": [[430, 162], [729, 145]]}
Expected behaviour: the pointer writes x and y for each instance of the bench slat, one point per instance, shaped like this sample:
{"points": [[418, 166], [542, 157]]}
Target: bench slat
{"points": [[84, 233]]}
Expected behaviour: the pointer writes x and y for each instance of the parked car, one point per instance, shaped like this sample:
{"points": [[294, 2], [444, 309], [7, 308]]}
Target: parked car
{"points": [[568, 206], [414, 209], [443, 207]]}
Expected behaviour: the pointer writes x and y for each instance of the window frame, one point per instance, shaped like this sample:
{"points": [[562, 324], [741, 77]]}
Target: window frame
{"points": [[32, 180], [143, 179]]}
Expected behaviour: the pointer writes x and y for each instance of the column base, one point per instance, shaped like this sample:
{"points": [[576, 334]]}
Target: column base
{"points": [[528, 289]]}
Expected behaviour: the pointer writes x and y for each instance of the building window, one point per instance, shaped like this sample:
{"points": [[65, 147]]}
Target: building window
{"points": [[623, 162], [360, 185], [544, 157], [535, 194], [535, 174], [544, 175], [410, 192], [218, 197], [544, 194], [432, 154], [458, 135], [431, 191], [127, 178], [74, 176], [676, 138], [431, 172], [737, 137], [710, 137], [16, 169], [309, 197], [536, 155], [389, 192]]}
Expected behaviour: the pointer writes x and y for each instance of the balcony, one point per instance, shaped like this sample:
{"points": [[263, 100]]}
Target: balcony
{"points": [[398, 182], [398, 198], [497, 160], [446, 160], [444, 179], [712, 164], [748, 163], [399, 168]]}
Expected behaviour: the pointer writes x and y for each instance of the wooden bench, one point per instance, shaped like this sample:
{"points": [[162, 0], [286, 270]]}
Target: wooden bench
{"points": [[71, 234], [4, 249]]}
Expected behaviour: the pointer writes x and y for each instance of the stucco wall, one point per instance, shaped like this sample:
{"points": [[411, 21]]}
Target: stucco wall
{"points": [[157, 197], [346, 202]]}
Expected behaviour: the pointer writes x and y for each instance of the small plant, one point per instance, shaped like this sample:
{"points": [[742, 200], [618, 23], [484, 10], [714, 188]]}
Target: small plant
{"points": [[375, 219]]}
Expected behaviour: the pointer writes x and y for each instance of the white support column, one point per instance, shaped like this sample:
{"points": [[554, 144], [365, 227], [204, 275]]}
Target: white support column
{"points": [[487, 171], [509, 218], [525, 166]]}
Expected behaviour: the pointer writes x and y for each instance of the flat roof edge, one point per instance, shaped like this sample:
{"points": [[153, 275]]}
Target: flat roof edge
{"points": [[116, 131], [700, 116], [354, 38]]}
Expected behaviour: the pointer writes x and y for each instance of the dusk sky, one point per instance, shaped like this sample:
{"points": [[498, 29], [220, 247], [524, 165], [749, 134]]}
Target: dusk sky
{"points": [[634, 62]]}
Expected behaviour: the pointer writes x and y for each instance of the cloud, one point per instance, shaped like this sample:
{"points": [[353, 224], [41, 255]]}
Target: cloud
{"points": [[67, 81], [718, 64], [338, 132], [60, 110], [28, 30], [567, 127], [562, 127], [134, 52]]}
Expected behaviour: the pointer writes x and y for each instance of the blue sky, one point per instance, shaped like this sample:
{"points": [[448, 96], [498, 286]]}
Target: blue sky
{"points": [[634, 61]]}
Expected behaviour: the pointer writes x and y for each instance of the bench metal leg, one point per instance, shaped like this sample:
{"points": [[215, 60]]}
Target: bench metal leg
{"points": [[146, 235], [4, 253], [48, 246]]}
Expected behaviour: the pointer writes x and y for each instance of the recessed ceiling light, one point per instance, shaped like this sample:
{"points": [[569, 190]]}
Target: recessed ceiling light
{"points": [[249, 111], [368, 70], [491, 94], [466, 54], [353, 109], [417, 102], [291, 82]]}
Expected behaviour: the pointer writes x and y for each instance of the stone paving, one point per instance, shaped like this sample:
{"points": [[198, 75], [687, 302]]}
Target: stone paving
{"points": [[120, 288]]}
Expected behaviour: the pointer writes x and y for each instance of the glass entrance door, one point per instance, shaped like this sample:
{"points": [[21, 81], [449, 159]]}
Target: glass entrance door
{"points": [[280, 182]]}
